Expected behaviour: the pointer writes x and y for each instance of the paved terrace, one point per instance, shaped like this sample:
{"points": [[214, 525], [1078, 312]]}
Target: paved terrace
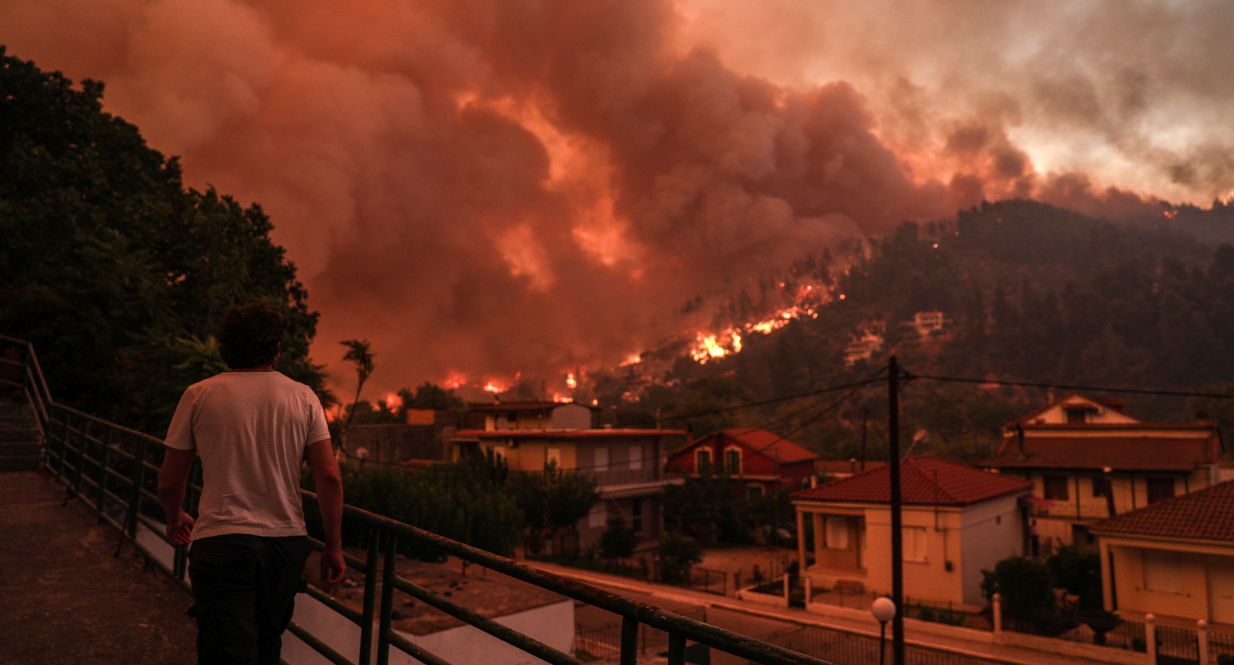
{"points": [[66, 599]]}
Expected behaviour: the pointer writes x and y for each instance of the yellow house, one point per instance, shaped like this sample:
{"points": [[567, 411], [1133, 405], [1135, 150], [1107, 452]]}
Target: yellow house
{"points": [[1088, 460], [956, 521], [1175, 557]]}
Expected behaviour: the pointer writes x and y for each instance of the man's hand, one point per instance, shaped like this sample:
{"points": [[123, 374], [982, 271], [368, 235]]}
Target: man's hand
{"points": [[180, 529], [332, 569]]}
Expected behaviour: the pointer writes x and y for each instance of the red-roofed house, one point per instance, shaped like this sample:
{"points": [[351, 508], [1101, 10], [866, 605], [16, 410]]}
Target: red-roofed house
{"points": [[1083, 455], [1174, 557], [763, 460], [957, 520]]}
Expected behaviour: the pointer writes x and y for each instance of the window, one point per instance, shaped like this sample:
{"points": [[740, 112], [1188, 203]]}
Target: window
{"points": [[636, 457], [1160, 488], [1076, 416], [702, 460], [732, 461], [602, 459], [754, 491], [835, 532], [598, 516], [1101, 486], [636, 515], [914, 543], [552, 457], [1163, 571], [1055, 487]]}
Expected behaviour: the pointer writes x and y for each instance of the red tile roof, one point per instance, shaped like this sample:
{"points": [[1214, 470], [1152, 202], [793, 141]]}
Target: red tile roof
{"points": [[563, 433], [1140, 453], [1204, 515], [1114, 403], [924, 480], [770, 444]]}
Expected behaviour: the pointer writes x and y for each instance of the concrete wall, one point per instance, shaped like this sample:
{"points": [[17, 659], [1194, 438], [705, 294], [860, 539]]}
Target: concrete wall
{"points": [[989, 532], [1191, 565], [552, 624]]}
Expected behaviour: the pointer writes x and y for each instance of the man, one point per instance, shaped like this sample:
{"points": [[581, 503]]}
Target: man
{"points": [[252, 428]]}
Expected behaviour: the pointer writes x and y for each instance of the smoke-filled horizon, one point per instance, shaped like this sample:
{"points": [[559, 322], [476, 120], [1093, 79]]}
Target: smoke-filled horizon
{"points": [[484, 188]]}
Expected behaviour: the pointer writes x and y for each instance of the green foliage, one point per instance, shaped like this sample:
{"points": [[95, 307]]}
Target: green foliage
{"points": [[466, 501], [618, 540], [361, 355], [944, 615], [1079, 572], [676, 556], [114, 270], [554, 499], [709, 508], [1024, 584], [430, 396]]}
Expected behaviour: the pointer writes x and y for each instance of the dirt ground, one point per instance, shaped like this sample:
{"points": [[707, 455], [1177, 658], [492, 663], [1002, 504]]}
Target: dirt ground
{"points": [[66, 600], [742, 560]]}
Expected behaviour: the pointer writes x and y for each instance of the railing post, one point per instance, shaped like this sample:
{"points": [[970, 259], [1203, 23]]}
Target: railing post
{"points": [[82, 446], [139, 480], [997, 602], [1201, 641], [64, 446], [387, 601], [370, 596], [1150, 638], [809, 588], [787, 590], [676, 649], [629, 641], [104, 465]]}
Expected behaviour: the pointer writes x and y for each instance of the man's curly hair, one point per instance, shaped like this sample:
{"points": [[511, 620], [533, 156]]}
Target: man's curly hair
{"points": [[250, 334]]}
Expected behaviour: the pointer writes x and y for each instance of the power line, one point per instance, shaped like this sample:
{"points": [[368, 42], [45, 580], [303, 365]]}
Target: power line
{"points": [[909, 376]]}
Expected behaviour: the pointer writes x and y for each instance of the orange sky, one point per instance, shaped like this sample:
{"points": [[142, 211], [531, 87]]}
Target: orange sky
{"points": [[481, 188]]}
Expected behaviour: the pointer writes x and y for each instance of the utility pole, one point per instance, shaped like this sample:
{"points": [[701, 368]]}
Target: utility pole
{"points": [[897, 531]]}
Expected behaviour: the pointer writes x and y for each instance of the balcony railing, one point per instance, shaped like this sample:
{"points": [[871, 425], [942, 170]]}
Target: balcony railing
{"points": [[113, 470]]}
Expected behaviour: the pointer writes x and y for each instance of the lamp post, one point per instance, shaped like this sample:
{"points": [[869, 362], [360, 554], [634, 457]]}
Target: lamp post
{"points": [[883, 609]]}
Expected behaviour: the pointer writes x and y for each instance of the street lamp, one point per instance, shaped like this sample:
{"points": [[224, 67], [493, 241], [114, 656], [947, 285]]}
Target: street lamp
{"points": [[883, 609]]}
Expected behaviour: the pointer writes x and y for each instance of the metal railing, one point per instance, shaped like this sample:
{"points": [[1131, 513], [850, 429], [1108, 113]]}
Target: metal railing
{"points": [[845, 648], [113, 468]]}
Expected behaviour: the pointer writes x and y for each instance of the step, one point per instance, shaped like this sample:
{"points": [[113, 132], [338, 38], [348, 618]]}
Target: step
{"points": [[15, 410], [22, 435], [20, 462], [20, 449]]}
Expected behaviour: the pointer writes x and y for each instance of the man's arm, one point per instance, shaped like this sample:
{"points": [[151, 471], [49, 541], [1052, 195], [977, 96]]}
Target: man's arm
{"points": [[329, 484], [173, 476]]}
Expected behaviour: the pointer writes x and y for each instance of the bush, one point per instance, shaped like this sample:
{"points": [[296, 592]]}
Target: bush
{"points": [[618, 541], [677, 555], [1027, 595], [1079, 573]]}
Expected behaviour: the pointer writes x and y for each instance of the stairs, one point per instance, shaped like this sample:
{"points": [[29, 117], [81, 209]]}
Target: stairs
{"points": [[21, 441]]}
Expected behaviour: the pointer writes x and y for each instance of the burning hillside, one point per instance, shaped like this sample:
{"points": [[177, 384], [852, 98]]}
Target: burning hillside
{"points": [[487, 188]]}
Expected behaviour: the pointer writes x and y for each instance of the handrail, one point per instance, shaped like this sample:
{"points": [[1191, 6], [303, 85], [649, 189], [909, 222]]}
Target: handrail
{"points": [[101, 462]]}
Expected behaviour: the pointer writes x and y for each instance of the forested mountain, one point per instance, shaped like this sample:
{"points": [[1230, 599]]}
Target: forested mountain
{"points": [[114, 270], [1029, 292]]}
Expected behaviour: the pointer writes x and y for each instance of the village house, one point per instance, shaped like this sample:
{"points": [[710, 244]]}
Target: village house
{"points": [[1088, 460], [539, 415], [422, 437], [627, 465], [761, 460], [956, 521], [1175, 557]]}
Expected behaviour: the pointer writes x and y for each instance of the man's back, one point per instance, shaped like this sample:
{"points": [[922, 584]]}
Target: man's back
{"points": [[250, 430]]}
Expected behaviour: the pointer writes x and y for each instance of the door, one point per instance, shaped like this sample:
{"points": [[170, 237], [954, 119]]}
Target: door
{"points": [[1221, 589]]}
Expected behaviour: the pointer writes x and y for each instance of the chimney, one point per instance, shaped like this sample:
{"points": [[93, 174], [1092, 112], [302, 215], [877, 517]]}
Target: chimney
{"points": [[1019, 440]]}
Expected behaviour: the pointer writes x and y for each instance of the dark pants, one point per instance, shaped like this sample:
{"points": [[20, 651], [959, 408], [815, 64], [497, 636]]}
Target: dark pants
{"points": [[245, 590]]}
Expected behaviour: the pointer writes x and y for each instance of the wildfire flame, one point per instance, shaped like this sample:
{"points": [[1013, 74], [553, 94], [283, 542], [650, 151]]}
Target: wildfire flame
{"points": [[708, 346], [558, 397], [393, 401], [571, 382], [494, 387]]}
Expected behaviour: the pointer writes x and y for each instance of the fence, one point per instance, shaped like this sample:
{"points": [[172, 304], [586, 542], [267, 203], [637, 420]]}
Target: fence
{"points": [[112, 468], [605, 641], [844, 648], [1100, 630], [646, 569], [1220, 644]]}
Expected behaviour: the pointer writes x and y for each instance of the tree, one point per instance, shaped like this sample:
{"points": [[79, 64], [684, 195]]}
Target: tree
{"points": [[1027, 596], [115, 271], [618, 540], [676, 556], [552, 502], [359, 354]]}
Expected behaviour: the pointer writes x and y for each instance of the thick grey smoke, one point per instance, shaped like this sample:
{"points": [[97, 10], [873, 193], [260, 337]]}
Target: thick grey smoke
{"points": [[495, 186]]}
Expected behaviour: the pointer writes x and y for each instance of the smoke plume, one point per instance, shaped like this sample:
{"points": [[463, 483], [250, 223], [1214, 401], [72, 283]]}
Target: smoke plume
{"points": [[487, 187]]}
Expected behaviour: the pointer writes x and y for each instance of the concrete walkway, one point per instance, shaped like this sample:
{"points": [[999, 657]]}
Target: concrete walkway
{"points": [[65, 600], [977, 647]]}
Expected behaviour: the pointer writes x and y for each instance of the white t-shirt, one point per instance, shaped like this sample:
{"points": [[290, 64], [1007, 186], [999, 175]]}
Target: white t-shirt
{"points": [[250, 430]]}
